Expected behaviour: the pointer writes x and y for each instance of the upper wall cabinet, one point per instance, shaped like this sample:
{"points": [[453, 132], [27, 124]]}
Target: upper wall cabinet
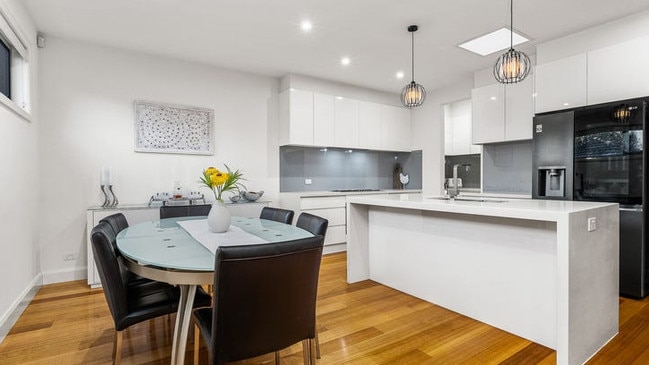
{"points": [[296, 117], [457, 129], [314, 119], [488, 113], [396, 134], [323, 120], [619, 72], [502, 113], [345, 122], [561, 84], [519, 110], [369, 125]]}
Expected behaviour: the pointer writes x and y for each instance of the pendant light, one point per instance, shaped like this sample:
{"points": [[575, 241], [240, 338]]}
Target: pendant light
{"points": [[413, 94], [513, 66]]}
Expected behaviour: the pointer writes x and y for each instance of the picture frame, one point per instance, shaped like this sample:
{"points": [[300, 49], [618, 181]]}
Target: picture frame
{"points": [[172, 128]]}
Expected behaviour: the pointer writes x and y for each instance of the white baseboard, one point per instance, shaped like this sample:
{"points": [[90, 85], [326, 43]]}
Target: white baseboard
{"points": [[12, 314], [333, 248], [63, 275]]}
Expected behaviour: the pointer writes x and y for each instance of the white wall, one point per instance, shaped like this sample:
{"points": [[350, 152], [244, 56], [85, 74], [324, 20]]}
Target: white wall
{"points": [[20, 183], [88, 122]]}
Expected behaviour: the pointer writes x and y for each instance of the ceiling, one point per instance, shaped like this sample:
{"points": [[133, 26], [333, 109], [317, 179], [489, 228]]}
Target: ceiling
{"points": [[264, 36]]}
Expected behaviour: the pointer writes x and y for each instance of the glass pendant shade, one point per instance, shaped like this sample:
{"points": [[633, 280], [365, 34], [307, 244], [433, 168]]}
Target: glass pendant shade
{"points": [[512, 67], [413, 95]]}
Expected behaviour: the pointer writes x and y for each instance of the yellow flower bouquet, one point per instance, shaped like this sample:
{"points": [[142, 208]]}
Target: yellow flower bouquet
{"points": [[221, 181]]}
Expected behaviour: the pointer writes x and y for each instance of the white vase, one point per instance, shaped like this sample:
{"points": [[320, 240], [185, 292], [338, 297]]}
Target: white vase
{"points": [[218, 220]]}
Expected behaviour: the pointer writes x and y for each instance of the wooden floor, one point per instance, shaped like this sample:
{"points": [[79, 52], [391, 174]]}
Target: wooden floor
{"points": [[362, 323]]}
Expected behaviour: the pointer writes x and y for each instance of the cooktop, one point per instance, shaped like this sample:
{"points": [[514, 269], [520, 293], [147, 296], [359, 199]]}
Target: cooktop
{"points": [[353, 190]]}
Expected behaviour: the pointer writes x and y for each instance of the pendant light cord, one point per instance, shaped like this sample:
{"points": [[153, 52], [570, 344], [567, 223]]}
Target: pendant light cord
{"points": [[511, 24], [413, 56]]}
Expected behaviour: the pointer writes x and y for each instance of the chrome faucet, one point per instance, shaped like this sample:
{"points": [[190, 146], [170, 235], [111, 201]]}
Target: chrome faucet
{"points": [[455, 191]]}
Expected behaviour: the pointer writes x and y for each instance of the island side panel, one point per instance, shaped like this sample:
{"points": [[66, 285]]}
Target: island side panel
{"points": [[501, 271], [594, 283], [358, 268]]}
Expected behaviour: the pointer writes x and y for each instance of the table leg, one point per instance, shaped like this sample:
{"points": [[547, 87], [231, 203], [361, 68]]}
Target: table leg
{"points": [[187, 293]]}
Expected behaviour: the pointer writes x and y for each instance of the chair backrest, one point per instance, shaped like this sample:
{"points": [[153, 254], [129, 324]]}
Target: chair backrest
{"points": [[277, 215], [265, 297], [106, 257], [174, 211], [312, 223], [117, 221]]}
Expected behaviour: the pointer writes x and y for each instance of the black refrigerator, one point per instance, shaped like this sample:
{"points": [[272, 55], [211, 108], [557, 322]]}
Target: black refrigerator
{"points": [[596, 153]]}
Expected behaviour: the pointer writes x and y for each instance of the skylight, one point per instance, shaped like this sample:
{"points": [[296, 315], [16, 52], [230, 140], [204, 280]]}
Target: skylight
{"points": [[492, 42]]}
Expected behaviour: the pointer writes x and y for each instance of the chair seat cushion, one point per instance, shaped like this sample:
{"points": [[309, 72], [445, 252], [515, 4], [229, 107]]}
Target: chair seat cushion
{"points": [[149, 299]]}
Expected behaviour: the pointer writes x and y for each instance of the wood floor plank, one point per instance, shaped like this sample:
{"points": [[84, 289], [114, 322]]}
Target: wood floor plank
{"points": [[363, 323]]}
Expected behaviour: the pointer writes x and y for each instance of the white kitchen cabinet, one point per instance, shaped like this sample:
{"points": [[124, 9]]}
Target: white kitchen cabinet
{"points": [[519, 110], [488, 114], [396, 133], [457, 129], [296, 117], [619, 72], [333, 209], [323, 120], [369, 125], [345, 122], [561, 84], [502, 113]]}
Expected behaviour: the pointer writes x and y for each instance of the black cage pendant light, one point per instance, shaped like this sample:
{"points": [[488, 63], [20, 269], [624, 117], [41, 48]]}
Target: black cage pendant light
{"points": [[513, 66], [413, 94]]}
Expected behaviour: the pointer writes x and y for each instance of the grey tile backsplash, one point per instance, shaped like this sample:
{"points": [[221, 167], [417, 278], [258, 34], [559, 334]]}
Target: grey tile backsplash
{"points": [[337, 168], [470, 177], [507, 167]]}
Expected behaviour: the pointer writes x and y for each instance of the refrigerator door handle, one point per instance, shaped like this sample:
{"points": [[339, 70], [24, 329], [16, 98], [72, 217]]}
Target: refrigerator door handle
{"points": [[631, 208]]}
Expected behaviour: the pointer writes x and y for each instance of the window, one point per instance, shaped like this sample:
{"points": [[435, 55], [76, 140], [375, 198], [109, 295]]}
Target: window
{"points": [[14, 68], [5, 64]]}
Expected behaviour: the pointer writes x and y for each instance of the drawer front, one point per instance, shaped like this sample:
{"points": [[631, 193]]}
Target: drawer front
{"points": [[335, 216], [335, 234], [322, 202]]}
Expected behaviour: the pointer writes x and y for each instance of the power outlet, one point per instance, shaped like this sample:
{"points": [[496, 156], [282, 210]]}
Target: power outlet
{"points": [[307, 181], [69, 257], [592, 224]]}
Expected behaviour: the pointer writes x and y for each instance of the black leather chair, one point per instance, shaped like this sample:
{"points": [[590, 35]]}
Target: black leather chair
{"points": [[312, 223], [174, 211], [277, 215], [117, 221], [317, 226], [265, 299], [129, 301]]}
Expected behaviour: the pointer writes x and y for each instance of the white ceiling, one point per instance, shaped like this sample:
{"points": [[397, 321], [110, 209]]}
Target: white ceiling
{"points": [[264, 36]]}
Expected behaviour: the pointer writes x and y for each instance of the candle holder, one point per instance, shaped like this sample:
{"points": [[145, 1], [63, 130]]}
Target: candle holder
{"points": [[110, 199], [115, 201]]}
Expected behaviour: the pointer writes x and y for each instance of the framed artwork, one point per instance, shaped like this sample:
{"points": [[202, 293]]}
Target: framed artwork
{"points": [[169, 128]]}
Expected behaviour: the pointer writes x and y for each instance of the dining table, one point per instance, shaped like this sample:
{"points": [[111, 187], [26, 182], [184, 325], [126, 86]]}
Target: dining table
{"points": [[180, 251]]}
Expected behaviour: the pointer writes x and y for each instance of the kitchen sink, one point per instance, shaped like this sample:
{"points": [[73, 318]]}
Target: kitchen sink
{"points": [[467, 199]]}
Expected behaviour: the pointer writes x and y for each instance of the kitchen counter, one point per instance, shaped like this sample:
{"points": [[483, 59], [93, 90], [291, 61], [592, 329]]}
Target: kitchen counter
{"points": [[540, 269], [305, 194]]}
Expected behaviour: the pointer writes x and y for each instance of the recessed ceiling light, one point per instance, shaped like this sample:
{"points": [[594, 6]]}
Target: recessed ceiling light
{"points": [[492, 42], [306, 25], [345, 61], [399, 75]]}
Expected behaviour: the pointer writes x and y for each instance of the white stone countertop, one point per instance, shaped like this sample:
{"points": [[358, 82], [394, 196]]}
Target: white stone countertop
{"points": [[306, 194], [542, 210]]}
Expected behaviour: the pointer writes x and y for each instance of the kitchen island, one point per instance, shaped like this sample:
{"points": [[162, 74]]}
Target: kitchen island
{"points": [[543, 270]]}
